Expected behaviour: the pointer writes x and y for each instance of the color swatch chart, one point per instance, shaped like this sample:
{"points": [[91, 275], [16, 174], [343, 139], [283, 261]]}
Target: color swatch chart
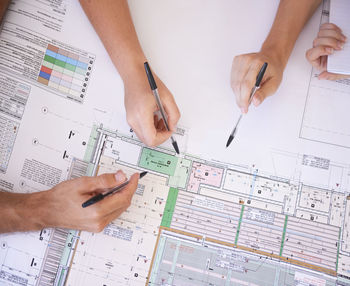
{"points": [[66, 72]]}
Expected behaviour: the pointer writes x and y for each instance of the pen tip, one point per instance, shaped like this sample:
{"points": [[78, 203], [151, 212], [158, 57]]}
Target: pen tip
{"points": [[229, 141], [176, 147], [142, 174]]}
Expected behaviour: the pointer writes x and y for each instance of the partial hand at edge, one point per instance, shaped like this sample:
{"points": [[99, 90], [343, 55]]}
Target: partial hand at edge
{"points": [[329, 40]]}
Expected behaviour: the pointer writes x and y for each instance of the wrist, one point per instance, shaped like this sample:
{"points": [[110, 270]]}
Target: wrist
{"points": [[130, 66], [276, 52], [32, 209]]}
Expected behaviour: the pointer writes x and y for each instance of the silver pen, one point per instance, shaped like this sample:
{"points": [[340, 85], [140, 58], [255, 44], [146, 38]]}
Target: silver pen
{"points": [[153, 85], [254, 89]]}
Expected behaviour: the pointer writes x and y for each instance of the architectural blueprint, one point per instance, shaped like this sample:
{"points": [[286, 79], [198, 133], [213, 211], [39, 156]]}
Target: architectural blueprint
{"points": [[194, 219]]}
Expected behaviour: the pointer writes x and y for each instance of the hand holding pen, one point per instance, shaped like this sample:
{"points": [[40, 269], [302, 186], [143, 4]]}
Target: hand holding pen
{"points": [[163, 113], [256, 86], [141, 105]]}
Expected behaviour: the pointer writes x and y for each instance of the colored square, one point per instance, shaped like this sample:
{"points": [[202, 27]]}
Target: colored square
{"points": [[49, 59], [80, 71], [43, 80], [46, 70], [58, 68], [70, 67], [60, 63], [53, 84], [67, 78], [44, 75], [51, 53], [47, 64], [68, 72]]}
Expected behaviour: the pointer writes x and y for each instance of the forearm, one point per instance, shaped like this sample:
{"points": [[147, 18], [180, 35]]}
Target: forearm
{"points": [[112, 22], [21, 212], [3, 7], [290, 19]]}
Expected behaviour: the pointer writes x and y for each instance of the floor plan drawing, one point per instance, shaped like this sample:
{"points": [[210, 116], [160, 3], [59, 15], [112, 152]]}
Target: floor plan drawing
{"points": [[235, 220]]}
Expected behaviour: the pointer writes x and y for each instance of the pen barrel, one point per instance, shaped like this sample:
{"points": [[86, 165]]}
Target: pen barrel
{"points": [[161, 108], [252, 92], [93, 200]]}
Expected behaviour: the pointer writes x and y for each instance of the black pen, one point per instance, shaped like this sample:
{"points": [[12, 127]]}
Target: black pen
{"points": [[254, 89], [153, 85], [114, 190]]}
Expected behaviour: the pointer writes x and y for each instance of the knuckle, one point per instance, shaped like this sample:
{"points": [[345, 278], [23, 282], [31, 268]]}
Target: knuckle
{"points": [[307, 54], [127, 201], [150, 142], [99, 226], [246, 83], [103, 179]]}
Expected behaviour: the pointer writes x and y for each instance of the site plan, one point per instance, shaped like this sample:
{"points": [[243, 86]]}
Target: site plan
{"points": [[194, 220]]}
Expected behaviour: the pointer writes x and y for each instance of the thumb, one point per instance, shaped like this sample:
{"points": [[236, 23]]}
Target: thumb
{"points": [[267, 89]]}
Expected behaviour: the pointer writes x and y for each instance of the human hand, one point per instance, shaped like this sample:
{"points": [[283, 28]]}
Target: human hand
{"points": [[141, 105], [63, 208], [245, 69], [329, 39]]}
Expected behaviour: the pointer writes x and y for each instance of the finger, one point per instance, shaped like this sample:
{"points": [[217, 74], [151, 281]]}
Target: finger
{"points": [[332, 76], [266, 89], [247, 84], [331, 34], [121, 199], [146, 130], [100, 183], [171, 110], [240, 67], [152, 137], [314, 55], [330, 26], [330, 42]]}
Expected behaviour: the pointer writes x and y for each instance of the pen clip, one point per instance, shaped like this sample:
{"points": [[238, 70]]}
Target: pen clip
{"points": [[260, 75], [150, 77]]}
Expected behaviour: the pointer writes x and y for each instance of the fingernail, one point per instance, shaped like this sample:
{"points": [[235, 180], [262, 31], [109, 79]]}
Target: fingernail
{"points": [[344, 38], [329, 50], [340, 45], [120, 176], [243, 110]]}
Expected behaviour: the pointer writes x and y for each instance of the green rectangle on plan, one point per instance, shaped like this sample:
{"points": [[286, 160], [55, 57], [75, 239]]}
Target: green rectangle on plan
{"points": [[169, 207], [49, 59], [70, 67], [158, 161]]}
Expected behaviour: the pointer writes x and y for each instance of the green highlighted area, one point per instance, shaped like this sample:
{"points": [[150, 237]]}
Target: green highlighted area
{"points": [[183, 170], [169, 207], [239, 224], [158, 161], [284, 234]]}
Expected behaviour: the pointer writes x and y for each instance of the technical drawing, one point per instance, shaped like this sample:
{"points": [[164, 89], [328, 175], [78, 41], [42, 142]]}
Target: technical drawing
{"points": [[234, 220]]}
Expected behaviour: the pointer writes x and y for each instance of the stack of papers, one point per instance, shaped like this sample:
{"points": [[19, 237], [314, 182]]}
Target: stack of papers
{"points": [[339, 62]]}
